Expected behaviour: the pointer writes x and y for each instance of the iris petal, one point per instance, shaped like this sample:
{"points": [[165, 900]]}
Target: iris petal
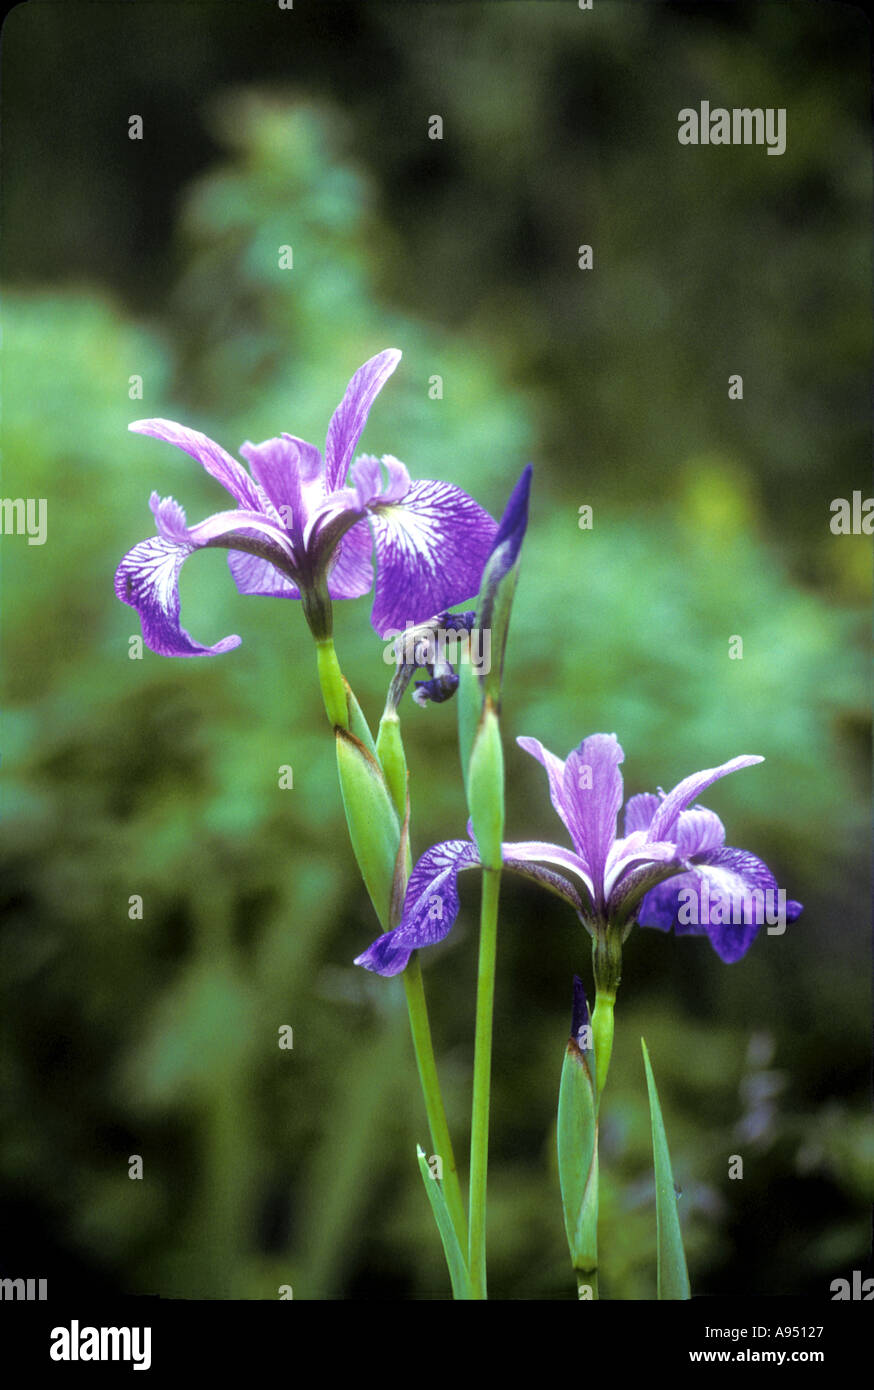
{"points": [[698, 831], [639, 811], [350, 417], [211, 456], [147, 578], [665, 819], [351, 572], [431, 902], [555, 773], [729, 894], [592, 792], [430, 907], [430, 552]]}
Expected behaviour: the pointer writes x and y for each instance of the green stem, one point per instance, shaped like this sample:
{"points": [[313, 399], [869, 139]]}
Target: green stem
{"points": [[482, 1068], [587, 1281], [602, 1036], [437, 1122], [607, 969], [331, 681], [607, 963], [338, 697]]}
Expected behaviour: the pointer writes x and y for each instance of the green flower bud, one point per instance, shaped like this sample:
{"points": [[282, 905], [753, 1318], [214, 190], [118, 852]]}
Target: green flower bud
{"points": [[374, 827]]}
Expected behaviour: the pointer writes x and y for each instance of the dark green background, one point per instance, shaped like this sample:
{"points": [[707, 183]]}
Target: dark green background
{"points": [[159, 258]]}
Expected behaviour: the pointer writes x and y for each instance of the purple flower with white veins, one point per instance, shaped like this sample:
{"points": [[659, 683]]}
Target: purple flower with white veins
{"points": [[668, 846], [299, 531]]}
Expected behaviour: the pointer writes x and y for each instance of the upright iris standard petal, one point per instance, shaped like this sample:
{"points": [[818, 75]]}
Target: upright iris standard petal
{"points": [[639, 811], [586, 791], [555, 772], [276, 465], [350, 417], [592, 791]]}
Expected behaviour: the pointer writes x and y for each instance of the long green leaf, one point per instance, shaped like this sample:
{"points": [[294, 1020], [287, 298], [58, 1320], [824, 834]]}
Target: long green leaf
{"points": [[673, 1277], [455, 1260]]}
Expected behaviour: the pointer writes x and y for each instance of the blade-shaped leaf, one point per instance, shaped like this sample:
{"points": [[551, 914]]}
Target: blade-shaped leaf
{"points": [[455, 1260], [673, 1277]]}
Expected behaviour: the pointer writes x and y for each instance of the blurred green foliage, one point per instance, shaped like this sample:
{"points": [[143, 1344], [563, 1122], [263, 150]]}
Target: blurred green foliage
{"points": [[159, 1037]]}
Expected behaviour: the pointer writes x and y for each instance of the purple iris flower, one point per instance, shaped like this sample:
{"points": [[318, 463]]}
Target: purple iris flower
{"points": [[306, 526], [672, 856]]}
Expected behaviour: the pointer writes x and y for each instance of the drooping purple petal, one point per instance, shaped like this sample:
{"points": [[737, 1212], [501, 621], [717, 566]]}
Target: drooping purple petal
{"points": [[430, 907], [665, 819], [211, 456], [430, 552], [350, 417], [431, 901], [147, 579], [728, 894]]}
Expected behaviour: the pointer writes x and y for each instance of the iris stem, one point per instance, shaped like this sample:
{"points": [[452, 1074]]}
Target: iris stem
{"points": [[338, 697], [482, 1069], [437, 1122], [602, 1035], [587, 1280], [331, 681]]}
